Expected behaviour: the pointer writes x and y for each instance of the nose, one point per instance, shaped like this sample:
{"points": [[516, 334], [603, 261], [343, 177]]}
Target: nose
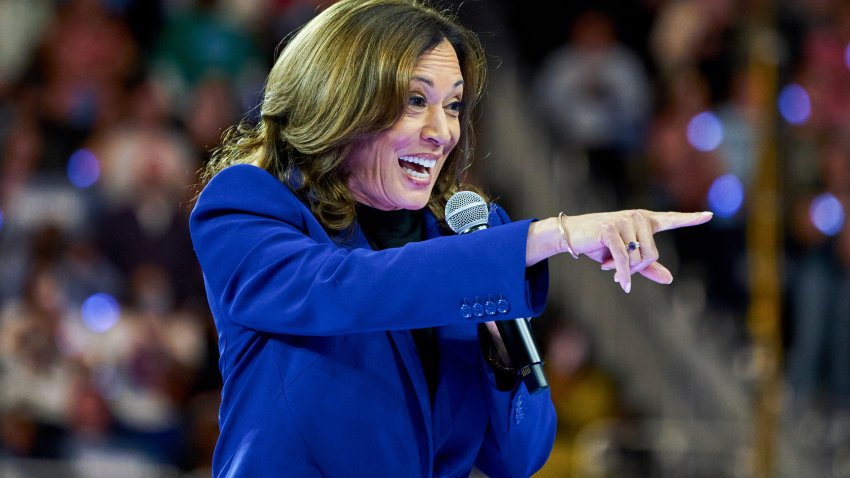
{"points": [[436, 128]]}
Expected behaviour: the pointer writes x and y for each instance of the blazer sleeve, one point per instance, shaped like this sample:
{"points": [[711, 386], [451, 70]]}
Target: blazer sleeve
{"points": [[520, 432], [269, 266]]}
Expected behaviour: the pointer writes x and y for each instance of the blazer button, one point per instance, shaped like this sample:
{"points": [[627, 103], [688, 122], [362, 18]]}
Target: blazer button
{"points": [[503, 306], [478, 310], [490, 307], [466, 311]]}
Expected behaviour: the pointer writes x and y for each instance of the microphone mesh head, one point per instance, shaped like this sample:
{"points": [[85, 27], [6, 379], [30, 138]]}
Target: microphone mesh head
{"points": [[466, 210]]}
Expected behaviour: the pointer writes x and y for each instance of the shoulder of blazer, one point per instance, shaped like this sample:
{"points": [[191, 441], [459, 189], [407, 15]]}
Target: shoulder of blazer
{"points": [[247, 188]]}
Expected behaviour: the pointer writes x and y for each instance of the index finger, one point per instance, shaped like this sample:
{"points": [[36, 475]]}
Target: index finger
{"points": [[664, 221]]}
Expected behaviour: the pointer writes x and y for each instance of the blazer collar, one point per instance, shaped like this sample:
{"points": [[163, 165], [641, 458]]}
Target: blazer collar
{"points": [[432, 226]]}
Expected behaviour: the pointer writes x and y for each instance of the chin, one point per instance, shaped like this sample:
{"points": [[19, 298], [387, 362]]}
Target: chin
{"points": [[414, 206], [413, 203]]}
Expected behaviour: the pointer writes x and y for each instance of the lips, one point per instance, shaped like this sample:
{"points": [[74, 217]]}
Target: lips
{"points": [[417, 167]]}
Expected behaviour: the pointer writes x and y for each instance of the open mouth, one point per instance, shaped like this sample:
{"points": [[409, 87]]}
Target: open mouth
{"points": [[416, 167]]}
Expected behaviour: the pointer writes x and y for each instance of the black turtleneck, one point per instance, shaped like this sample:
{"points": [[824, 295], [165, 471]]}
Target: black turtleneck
{"points": [[386, 229]]}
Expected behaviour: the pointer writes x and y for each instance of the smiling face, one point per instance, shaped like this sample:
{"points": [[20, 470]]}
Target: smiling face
{"points": [[397, 168]]}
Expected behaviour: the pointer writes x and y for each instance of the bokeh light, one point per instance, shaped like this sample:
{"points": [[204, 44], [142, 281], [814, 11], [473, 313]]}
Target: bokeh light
{"points": [[794, 104], [83, 168], [100, 312], [705, 131], [726, 195], [1, 220], [827, 214]]}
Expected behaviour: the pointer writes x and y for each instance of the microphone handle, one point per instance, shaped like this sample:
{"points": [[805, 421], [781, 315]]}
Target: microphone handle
{"points": [[522, 349], [519, 341]]}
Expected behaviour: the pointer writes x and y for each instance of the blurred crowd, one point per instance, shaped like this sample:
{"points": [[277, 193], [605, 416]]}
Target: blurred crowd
{"points": [[660, 103], [108, 108]]}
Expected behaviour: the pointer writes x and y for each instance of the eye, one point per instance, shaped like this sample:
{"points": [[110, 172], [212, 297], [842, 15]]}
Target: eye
{"points": [[416, 100], [455, 107]]}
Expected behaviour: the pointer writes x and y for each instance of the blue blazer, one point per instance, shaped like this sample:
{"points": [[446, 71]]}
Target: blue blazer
{"points": [[321, 374]]}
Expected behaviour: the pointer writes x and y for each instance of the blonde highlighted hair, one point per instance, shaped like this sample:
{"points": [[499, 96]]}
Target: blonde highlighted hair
{"points": [[344, 77]]}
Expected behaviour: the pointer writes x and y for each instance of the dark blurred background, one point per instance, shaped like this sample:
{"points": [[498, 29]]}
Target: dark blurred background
{"points": [[741, 367]]}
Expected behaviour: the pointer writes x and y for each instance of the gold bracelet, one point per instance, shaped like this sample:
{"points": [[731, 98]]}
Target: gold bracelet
{"points": [[564, 236]]}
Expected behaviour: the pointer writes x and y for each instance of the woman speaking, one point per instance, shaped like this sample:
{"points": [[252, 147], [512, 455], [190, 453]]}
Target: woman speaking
{"points": [[355, 330]]}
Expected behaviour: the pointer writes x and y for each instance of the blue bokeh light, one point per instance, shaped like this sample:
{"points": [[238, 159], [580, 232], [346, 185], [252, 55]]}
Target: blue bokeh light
{"points": [[726, 195], [100, 312], [83, 168], [705, 131], [827, 214], [794, 104], [1, 219]]}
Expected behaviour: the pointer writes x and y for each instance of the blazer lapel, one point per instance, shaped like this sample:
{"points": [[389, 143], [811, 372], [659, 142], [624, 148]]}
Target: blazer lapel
{"points": [[456, 361], [403, 343], [458, 364], [406, 348], [432, 227]]}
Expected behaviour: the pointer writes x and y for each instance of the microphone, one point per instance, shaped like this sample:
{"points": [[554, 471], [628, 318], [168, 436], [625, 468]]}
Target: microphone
{"points": [[467, 212]]}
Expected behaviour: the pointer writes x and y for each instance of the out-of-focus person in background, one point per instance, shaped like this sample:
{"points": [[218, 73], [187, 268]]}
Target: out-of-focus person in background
{"points": [[595, 96]]}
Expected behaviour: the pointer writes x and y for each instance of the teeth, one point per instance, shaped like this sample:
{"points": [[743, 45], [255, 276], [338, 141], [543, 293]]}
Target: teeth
{"points": [[415, 174], [428, 163]]}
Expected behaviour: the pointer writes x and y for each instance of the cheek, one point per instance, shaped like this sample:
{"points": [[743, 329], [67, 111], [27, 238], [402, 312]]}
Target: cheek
{"points": [[455, 138], [455, 128], [366, 160]]}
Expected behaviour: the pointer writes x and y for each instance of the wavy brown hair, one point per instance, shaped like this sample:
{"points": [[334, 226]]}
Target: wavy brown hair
{"points": [[343, 77]]}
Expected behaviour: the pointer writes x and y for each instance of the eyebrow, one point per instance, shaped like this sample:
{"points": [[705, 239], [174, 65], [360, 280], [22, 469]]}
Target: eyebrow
{"points": [[430, 83]]}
